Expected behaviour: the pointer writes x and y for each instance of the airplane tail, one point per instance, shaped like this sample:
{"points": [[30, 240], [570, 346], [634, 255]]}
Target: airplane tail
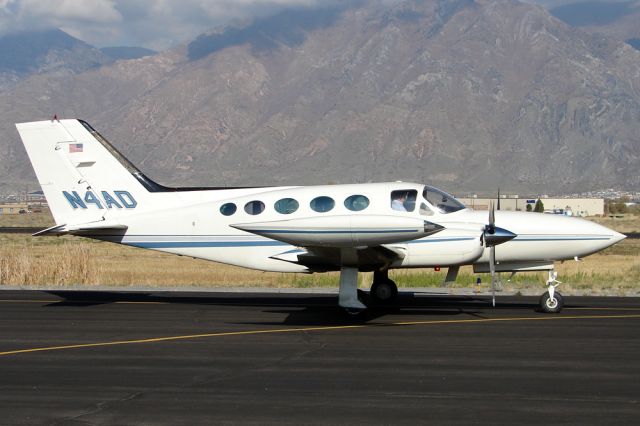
{"points": [[84, 178]]}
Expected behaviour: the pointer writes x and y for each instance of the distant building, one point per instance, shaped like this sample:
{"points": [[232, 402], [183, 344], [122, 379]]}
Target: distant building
{"points": [[568, 206], [13, 208]]}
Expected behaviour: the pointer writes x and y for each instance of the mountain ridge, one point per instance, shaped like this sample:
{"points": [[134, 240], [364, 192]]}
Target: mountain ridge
{"points": [[467, 95]]}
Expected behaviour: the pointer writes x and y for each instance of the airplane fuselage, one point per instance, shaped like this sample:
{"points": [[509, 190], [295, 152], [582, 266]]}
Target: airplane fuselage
{"points": [[198, 228]]}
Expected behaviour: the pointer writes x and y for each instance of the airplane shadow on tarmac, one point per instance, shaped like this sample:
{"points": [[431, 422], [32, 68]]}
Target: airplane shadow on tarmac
{"points": [[306, 309]]}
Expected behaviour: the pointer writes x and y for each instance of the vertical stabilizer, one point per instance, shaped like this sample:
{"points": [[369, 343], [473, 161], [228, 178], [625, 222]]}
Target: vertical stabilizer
{"points": [[82, 176]]}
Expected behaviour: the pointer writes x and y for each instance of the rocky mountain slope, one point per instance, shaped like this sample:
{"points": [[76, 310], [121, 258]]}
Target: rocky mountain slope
{"points": [[468, 95], [39, 52]]}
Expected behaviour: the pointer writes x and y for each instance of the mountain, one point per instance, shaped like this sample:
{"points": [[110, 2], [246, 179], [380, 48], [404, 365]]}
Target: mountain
{"points": [[127, 52], [37, 52], [467, 95], [617, 19]]}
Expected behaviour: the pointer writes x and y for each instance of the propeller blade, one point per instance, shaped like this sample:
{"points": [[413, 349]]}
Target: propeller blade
{"points": [[492, 215], [492, 269]]}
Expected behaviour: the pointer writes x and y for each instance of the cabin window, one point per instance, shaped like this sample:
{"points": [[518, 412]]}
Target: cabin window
{"points": [[322, 204], [425, 210], [254, 207], [228, 209], [356, 203], [286, 206], [404, 200]]}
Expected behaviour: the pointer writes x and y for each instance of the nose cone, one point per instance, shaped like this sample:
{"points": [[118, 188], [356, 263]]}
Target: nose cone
{"points": [[605, 237], [617, 237]]}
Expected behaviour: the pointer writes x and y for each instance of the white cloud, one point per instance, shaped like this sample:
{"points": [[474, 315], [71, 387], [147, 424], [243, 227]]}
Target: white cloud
{"points": [[157, 24], [78, 17]]}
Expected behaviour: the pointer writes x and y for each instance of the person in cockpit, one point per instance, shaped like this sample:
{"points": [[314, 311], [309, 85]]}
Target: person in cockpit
{"points": [[397, 202]]}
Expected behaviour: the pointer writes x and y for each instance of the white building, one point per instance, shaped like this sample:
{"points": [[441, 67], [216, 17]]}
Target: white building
{"points": [[568, 206]]}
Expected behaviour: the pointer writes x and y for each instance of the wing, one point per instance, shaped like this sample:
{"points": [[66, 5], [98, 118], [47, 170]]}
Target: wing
{"points": [[375, 240]]}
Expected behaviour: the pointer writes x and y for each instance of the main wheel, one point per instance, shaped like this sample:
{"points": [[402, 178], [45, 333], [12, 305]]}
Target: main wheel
{"points": [[384, 291], [549, 305]]}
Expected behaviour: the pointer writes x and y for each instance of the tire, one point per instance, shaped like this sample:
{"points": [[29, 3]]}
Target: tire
{"points": [[384, 291], [551, 306]]}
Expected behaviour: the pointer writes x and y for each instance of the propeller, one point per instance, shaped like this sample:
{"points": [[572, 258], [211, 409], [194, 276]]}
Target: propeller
{"points": [[493, 236]]}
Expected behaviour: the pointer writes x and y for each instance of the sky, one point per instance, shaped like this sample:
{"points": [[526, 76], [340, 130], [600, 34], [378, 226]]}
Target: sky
{"points": [[155, 24]]}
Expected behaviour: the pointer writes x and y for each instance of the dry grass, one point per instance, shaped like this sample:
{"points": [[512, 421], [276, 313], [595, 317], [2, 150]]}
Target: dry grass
{"points": [[626, 224], [26, 260], [70, 263], [44, 220], [66, 261]]}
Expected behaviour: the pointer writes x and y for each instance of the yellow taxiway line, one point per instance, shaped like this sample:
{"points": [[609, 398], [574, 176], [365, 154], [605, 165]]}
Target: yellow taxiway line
{"points": [[309, 329]]}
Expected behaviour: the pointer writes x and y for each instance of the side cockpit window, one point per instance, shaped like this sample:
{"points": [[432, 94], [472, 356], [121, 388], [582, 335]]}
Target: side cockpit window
{"points": [[404, 200], [443, 202], [425, 210]]}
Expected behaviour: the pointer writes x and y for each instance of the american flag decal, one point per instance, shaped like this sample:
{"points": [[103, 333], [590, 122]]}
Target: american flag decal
{"points": [[75, 147]]}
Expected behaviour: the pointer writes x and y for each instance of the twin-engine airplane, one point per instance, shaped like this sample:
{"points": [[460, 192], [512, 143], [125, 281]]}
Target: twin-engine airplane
{"points": [[94, 192]]}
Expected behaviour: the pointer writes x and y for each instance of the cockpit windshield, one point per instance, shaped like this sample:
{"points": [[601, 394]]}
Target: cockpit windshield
{"points": [[442, 201]]}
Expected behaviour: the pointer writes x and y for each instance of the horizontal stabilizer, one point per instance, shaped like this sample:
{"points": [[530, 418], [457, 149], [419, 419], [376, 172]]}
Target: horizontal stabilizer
{"points": [[54, 230], [86, 228]]}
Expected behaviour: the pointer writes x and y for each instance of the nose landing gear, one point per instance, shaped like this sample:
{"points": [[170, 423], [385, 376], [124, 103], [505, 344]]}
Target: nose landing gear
{"points": [[551, 301]]}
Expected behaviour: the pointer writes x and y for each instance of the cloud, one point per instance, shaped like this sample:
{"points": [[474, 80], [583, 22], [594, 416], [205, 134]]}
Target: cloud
{"points": [[83, 19], [157, 24]]}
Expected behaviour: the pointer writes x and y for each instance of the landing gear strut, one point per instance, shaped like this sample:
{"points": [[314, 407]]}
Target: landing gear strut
{"points": [[551, 301], [348, 295], [383, 289]]}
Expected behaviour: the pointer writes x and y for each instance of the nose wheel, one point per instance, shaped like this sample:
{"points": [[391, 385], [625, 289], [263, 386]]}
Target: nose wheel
{"points": [[551, 301]]}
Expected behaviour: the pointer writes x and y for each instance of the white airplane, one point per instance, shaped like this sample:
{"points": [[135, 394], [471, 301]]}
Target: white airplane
{"points": [[93, 191]]}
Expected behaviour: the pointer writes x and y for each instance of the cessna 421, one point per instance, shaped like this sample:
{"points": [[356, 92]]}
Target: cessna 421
{"points": [[94, 192]]}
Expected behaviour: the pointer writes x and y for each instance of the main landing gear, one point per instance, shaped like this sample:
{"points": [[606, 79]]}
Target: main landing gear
{"points": [[551, 301], [383, 290]]}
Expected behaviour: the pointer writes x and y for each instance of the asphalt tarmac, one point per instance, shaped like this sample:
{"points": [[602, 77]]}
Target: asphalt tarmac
{"points": [[85, 358]]}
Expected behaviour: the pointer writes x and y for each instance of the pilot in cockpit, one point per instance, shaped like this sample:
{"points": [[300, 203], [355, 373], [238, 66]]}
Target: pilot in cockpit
{"points": [[398, 200]]}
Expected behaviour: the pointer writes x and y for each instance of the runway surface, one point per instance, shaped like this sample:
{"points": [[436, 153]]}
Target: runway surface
{"points": [[84, 358]]}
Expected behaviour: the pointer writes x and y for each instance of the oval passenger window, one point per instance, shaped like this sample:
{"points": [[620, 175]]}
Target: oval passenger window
{"points": [[322, 204], [356, 203], [286, 206], [228, 209], [254, 207]]}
